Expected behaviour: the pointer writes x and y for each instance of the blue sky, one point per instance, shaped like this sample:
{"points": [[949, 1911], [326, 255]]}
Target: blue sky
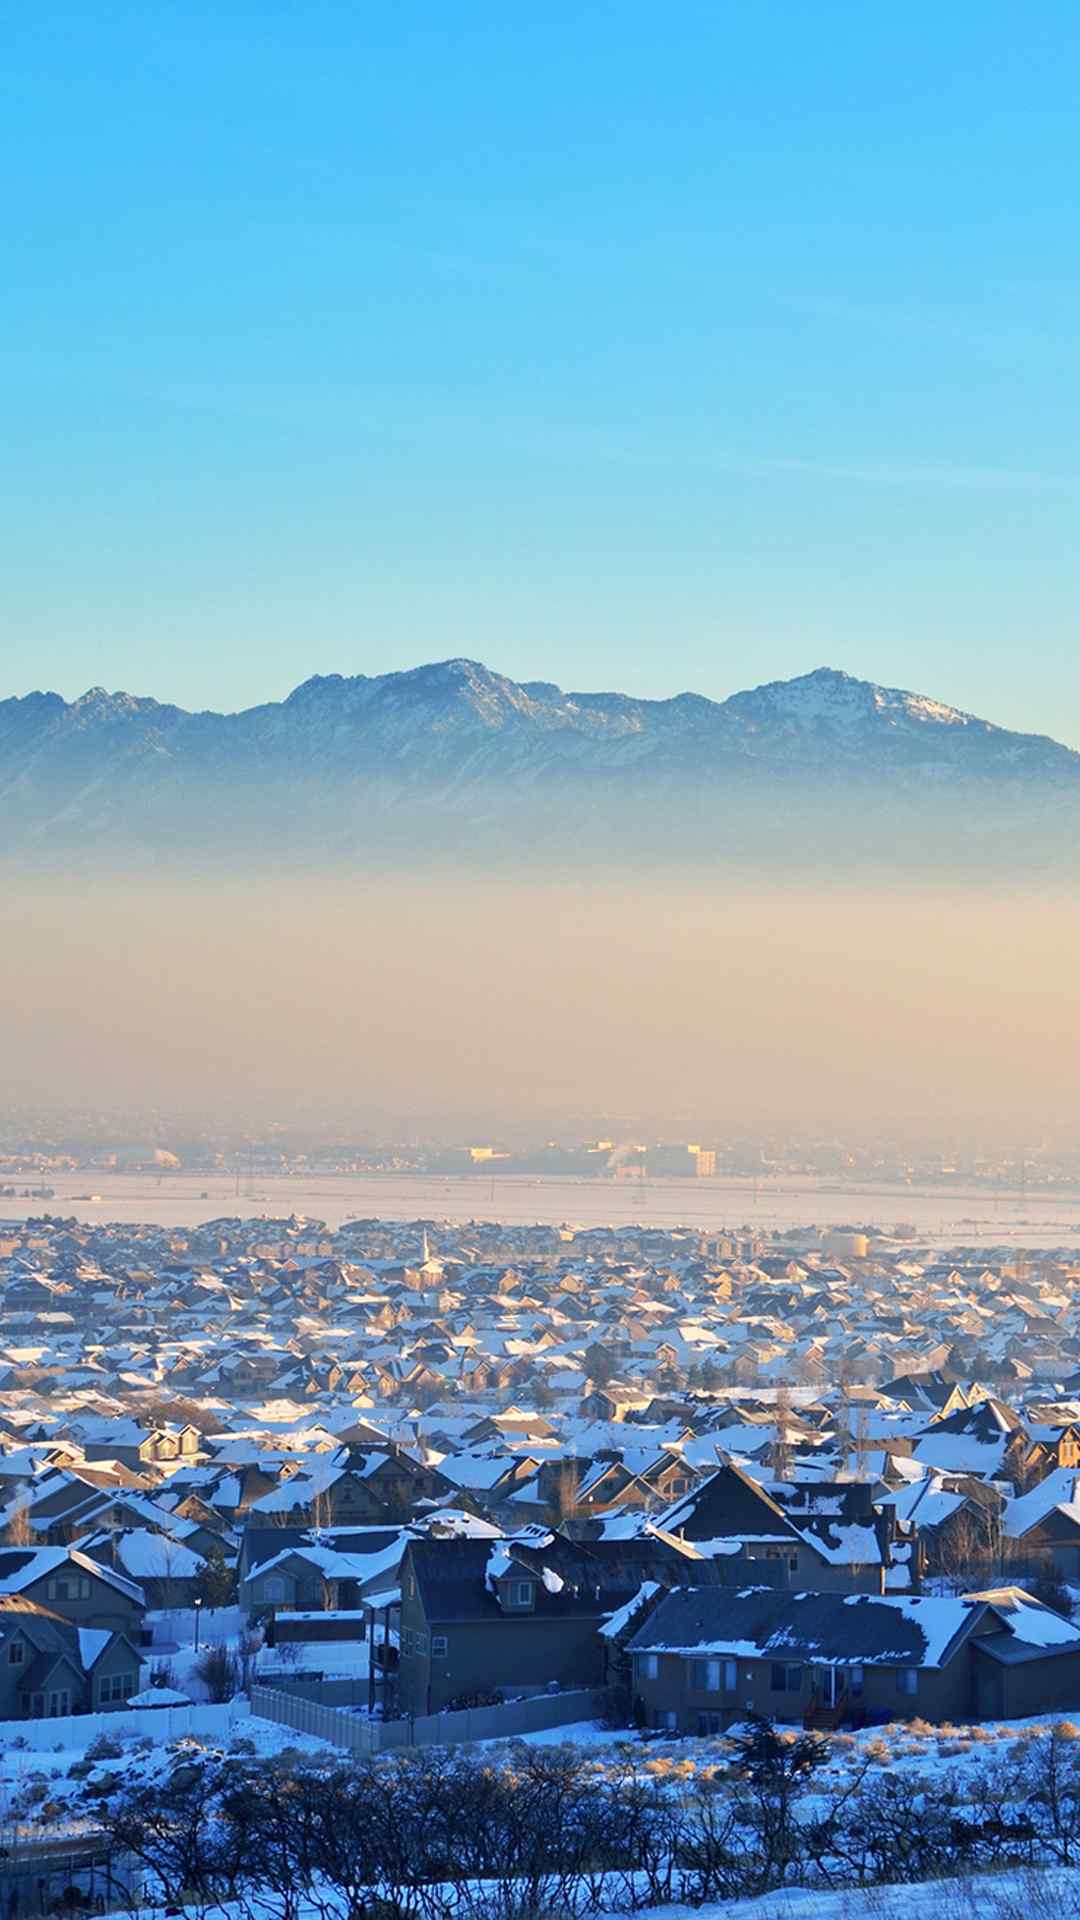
{"points": [[610, 343]]}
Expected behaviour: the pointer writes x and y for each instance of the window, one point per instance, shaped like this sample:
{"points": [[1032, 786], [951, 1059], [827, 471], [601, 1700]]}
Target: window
{"points": [[650, 1666], [708, 1723], [709, 1676], [855, 1682], [69, 1586], [439, 1646], [786, 1679], [115, 1687], [16, 1653], [273, 1590], [59, 1703], [907, 1680], [521, 1593], [667, 1720]]}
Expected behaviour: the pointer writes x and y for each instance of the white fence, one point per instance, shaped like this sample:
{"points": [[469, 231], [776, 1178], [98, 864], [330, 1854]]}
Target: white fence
{"points": [[357, 1734]]}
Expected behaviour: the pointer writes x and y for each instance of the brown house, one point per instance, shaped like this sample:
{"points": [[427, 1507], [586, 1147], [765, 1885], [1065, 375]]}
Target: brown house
{"points": [[707, 1657], [519, 1614]]}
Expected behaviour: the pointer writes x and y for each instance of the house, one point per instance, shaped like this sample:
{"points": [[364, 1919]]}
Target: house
{"points": [[136, 1447], [354, 1487], [69, 1583], [168, 1571], [1042, 1528], [707, 1657], [518, 1613], [49, 1668], [332, 1571], [730, 1514], [974, 1439]]}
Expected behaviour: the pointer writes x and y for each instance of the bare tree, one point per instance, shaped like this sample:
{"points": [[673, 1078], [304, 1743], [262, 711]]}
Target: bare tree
{"points": [[780, 1451]]}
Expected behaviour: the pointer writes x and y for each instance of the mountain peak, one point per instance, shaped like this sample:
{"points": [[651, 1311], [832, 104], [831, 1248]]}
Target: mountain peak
{"points": [[829, 699]]}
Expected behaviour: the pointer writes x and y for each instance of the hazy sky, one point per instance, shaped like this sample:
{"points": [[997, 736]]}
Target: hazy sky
{"points": [[610, 343], [476, 1009]]}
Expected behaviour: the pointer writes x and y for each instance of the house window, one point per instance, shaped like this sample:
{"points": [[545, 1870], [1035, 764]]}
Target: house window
{"points": [[709, 1676], [668, 1720], [650, 1666], [59, 1703], [273, 1590], [439, 1646], [16, 1653], [907, 1680], [115, 1687], [708, 1723], [69, 1586], [521, 1593], [786, 1679], [855, 1682]]}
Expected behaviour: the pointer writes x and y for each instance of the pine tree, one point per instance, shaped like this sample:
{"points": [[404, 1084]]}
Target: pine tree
{"points": [[216, 1583]]}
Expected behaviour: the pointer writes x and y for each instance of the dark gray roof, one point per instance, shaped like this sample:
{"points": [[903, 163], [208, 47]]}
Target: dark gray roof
{"points": [[834, 1629], [729, 1505], [451, 1576]]}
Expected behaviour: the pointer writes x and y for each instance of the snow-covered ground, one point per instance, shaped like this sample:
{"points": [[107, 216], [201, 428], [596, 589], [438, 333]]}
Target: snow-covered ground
{"points": [[174, 1643], [46, 1766], [947, 1757], [962, 1215], [1050, 1895]]}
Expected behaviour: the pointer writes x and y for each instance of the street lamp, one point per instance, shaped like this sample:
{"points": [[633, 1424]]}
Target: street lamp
{"points": [[198, 1617]]}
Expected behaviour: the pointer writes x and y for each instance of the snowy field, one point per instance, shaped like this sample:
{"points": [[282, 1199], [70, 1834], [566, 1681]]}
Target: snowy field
{"points": [[956, 1216], [1053, 1895]]}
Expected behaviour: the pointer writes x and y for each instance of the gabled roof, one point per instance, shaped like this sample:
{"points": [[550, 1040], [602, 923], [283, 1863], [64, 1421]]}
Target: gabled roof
{"points": [[22, 1567], [1058, 1493], [729, 1505]]}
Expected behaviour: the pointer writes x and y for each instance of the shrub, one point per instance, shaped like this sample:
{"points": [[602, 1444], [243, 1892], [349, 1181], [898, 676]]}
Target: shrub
{"points": [[219, 1671]]}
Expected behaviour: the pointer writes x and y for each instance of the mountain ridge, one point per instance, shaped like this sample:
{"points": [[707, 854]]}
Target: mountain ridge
{"points": [[480, 679], [452, 747]]}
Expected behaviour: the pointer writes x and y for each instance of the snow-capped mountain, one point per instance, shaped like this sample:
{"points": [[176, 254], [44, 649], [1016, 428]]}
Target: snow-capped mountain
{"points": [[446, 751]]}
